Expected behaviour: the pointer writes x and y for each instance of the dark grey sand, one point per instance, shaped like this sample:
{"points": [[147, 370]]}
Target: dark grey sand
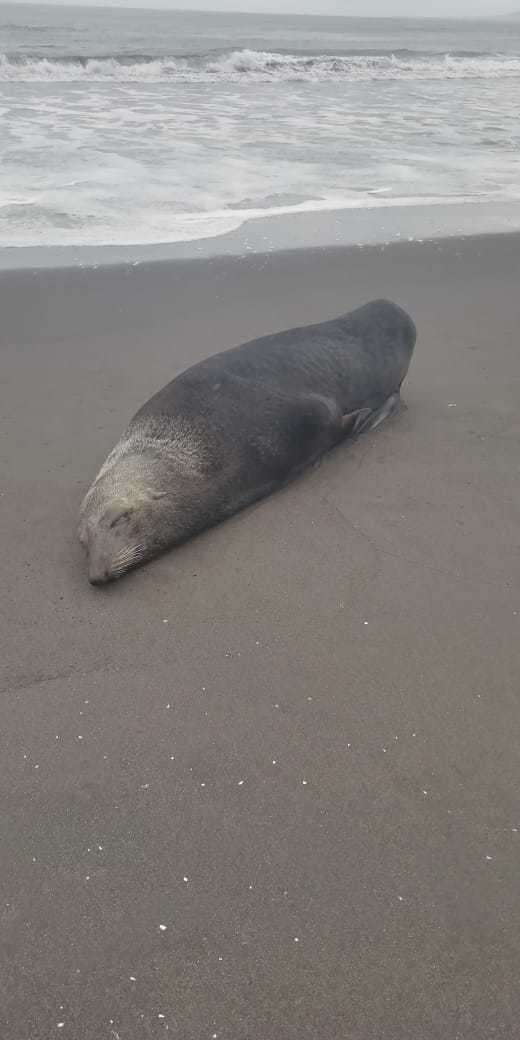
{"points": [[269, 786]]}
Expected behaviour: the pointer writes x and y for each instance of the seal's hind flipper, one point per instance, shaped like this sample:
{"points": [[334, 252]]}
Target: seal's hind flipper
{"points": [[365, 419], [389, 408], [355, 422]]}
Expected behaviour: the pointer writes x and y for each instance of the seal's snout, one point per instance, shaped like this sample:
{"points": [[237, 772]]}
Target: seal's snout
{"points": [[109, 533], [99, 573]]}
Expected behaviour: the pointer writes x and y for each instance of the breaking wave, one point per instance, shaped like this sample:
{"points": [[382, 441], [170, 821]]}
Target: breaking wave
{"points": [[261, 67]]}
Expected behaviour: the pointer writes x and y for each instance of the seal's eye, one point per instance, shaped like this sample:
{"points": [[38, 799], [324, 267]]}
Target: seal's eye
{"points": [[121, 518]]}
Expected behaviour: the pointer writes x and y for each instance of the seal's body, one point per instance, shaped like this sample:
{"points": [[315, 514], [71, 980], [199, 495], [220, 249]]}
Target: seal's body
{"points": [[236, 427]]}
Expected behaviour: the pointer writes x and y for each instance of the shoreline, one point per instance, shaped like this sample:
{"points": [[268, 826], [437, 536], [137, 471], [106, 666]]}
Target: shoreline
{"points": [[341, 228]]}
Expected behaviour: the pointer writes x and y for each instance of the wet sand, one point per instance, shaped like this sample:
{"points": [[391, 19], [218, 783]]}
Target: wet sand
{"points": [[267, 788]]}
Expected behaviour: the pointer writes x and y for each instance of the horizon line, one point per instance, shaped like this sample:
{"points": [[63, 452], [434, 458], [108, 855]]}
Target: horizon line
{"points": [[121, 6]]}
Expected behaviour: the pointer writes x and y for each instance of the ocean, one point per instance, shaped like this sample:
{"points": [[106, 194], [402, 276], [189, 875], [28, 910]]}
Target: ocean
{"points": [[127, 126]]}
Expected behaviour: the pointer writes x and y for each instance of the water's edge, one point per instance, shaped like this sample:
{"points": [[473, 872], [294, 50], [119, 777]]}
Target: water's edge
{"points": [[291, 231]]}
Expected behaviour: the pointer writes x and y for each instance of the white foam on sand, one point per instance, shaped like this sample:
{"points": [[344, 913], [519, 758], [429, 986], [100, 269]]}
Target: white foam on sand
{"points": [[190, 227]]}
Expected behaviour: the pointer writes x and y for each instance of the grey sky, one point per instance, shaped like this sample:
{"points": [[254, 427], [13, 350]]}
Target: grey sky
{"points": [[415, 8], [412, 8]]}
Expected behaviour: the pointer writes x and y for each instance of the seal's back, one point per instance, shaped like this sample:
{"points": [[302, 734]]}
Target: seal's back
{"points": [[359, 359]]}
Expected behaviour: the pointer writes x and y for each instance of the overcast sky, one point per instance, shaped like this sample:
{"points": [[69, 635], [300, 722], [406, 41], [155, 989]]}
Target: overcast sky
{"points": [[416, 8]]}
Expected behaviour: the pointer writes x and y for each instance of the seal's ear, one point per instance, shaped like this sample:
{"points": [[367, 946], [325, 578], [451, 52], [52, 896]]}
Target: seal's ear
{"points": [[82, 532], [354, 422]]}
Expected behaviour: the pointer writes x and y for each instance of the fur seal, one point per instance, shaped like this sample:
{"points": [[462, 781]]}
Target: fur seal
{"points": [[236, 427]]}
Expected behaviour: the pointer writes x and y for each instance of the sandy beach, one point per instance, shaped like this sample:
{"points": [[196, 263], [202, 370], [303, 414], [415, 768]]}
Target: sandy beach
{"points": [[266, 788]]}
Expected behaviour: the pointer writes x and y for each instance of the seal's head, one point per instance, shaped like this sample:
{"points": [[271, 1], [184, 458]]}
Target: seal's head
{"points": [[123, 522]]}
